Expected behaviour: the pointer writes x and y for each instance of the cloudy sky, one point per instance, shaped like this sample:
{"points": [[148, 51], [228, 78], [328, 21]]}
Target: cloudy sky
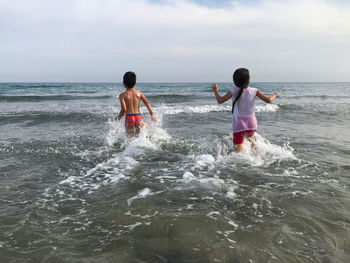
{"points": [[174, 41]]}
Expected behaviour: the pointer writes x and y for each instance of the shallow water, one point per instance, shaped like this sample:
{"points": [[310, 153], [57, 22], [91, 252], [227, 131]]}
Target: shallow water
{"points": [[74, 188]]}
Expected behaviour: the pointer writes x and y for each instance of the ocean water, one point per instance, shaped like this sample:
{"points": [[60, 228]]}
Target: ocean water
{"points": [[74, 188]]}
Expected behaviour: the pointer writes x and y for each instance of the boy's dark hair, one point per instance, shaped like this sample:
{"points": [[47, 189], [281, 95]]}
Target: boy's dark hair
{"points": [[129, 79], [241, 79]]}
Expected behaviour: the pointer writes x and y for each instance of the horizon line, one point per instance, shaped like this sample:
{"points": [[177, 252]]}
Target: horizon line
{"points": [[175, 82]]}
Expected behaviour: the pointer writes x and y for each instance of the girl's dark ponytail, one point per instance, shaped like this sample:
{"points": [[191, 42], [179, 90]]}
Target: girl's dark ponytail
{"points": [[237, 98], [241, 79]]}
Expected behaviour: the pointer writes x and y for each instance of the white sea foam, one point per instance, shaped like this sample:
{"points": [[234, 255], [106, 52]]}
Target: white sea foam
{"points": [[216, 214], [141, 194], [332, 183], [150, 137], [123, 162], [188, 177], [131, 227], [264, 153], [212, 181], [231, 222], [70, 180], [215, 181], [290, 172], [266, 108], [106, 173], [205, 161], [213, 215], [231, 192], [295, 193], [177, 109], [116, 168]]}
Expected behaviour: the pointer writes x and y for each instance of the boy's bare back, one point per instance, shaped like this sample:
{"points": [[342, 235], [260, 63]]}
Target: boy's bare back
{"points": [[130, 101]]}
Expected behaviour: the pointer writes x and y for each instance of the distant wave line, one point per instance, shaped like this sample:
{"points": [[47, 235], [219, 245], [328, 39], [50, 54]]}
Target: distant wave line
{"points": [[34, 98], [42, 117], [210, 108], [36, 86]]}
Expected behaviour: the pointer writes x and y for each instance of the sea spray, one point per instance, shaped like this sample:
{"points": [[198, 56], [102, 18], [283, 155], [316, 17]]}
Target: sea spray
{"points": [[69, 172]]}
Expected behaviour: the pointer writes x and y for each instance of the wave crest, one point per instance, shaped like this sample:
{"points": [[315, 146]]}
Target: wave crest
{"points": [[173, 110]]}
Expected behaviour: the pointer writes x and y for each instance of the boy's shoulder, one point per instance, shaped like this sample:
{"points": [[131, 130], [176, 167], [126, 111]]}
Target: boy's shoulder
{"points": [[132, 93], [122, 94], [138, 93]]}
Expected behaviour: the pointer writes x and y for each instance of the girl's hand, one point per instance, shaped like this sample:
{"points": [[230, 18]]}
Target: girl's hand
{"points": [[277, 95], [214, 87]]}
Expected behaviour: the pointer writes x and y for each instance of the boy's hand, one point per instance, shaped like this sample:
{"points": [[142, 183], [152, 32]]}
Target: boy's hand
{"points": [[144, 124], [154, 118], [214, 87]]}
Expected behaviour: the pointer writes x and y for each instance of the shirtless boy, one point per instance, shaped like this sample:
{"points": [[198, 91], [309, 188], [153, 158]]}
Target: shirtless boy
{"points": [[130, 105]]}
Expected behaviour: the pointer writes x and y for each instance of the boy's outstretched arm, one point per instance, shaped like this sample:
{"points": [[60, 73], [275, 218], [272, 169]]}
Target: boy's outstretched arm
{"points": [[220, 99], [123, 108], [149, 108], [266, 98]]}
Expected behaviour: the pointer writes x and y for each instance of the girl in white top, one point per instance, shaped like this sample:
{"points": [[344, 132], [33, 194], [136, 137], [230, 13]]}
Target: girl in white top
{"points": [[243, 116]]}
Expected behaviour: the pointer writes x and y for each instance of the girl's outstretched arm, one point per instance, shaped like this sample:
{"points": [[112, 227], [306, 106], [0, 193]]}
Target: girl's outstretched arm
{"points": [[266, 98], [220, 99]]}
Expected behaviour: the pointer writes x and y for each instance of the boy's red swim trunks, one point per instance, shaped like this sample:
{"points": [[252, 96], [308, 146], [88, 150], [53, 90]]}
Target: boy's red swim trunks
{"points": [[133, 120], [238, 137]]}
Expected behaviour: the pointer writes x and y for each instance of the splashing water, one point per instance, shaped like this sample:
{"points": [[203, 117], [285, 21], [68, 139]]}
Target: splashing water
{"points": [[177, 191]]}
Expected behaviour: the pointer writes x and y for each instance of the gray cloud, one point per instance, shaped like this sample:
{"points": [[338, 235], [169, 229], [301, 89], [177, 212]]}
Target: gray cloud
{"points": [[94, 40]]}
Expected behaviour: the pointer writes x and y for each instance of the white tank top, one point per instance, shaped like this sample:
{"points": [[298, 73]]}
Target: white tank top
{"points": [[243, 117]]}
